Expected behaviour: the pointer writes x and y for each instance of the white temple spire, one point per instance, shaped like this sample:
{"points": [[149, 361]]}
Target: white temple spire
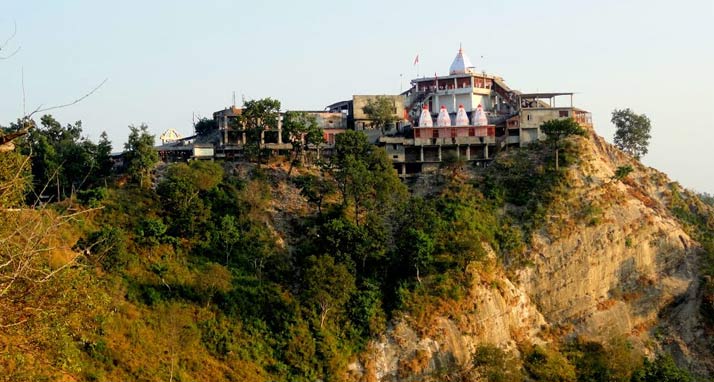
{"points": [[443, 120], [479, 117], [425, 117], [462, 64], [461, 118]]}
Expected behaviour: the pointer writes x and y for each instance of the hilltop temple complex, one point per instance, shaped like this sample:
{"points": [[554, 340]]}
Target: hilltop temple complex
{"points": [[469, 115]]}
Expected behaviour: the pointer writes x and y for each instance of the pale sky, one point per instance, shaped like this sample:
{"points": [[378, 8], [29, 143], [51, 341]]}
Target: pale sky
{"points": [[166, 60]]}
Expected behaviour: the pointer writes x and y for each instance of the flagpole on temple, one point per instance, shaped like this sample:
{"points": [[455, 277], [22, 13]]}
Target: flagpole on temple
{"points": [[416, 63]]}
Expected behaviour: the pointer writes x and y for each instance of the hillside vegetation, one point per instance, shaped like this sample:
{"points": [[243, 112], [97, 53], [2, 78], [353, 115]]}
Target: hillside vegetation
{"points": [[335, 271]]}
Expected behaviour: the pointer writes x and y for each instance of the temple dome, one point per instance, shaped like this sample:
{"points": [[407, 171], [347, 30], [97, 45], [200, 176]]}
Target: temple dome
{"points": [[462, 64]]}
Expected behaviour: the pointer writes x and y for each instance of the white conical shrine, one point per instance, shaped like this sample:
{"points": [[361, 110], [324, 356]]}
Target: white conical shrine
{"points": [[479, 117], [462, 64], [461, 118], [443, 120], [425, 117], [170, 135]]}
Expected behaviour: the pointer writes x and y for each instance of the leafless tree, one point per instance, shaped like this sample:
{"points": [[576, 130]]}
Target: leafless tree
{"points": [[28, 236]]}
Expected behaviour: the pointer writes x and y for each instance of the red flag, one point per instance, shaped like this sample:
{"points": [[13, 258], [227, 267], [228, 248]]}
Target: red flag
{"points": [[416, 59]]}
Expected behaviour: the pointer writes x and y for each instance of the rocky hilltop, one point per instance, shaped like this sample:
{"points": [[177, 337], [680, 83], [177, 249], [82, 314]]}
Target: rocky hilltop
{"points": [[593, 268], [612, 260]]}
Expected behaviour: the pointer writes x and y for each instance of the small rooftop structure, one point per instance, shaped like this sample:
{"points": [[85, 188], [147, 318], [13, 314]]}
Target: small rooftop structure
{"points": [[533, 100]]}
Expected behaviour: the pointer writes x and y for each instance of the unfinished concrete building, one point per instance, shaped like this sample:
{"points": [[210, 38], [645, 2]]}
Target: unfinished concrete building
{"points": [[466, 115], [477, 115]]}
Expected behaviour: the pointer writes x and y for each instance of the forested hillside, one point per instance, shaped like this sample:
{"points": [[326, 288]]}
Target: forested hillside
{"points": [[336, 270]]}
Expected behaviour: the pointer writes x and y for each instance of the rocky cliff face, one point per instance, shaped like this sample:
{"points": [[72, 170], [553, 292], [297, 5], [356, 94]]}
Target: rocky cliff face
{"points": [[611, 260], [495, 311]]}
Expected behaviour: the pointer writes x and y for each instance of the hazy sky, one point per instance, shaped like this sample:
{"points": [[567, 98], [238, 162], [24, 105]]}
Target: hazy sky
{"points": [[166, 60]]}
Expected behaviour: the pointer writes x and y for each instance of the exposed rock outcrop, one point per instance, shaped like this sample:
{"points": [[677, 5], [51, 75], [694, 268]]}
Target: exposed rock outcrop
{"points": [[611, 260]]}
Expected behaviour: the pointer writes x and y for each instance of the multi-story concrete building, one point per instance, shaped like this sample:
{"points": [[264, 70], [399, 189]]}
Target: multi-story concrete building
{"points": [[478, 114]]}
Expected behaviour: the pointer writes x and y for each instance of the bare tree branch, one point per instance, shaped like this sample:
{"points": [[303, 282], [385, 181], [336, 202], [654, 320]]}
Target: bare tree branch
{"points": [[40, 109], [4, 44], [14, 32]]}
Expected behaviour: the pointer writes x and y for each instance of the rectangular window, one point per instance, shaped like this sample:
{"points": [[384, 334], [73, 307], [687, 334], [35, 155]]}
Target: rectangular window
{"points": [[472, 132], [416, 133], [528, 117], [436, 133], [563, 114]]}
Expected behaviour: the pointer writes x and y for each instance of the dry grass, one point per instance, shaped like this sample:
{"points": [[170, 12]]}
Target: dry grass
{"points": [[414, 365]]}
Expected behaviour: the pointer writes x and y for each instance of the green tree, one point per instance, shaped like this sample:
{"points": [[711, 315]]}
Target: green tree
{"points": [[103, 156], [364, 174], [106, 247], [301, 130], [228, 235], [419, 247], [548, 365], [327, 286], [140, 154], [633, 132], [257, 117], [622, 172], [495, 365], [382, 111], [62, 160], [315, 189], [181, 191], [661, 369], [559, 129], [205, 126]]}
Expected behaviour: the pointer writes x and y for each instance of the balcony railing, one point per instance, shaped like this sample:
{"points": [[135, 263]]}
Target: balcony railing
{"points": [[583, 118]]}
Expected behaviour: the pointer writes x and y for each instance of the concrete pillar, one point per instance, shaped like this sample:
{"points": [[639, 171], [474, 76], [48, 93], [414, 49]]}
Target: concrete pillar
{"points": [[243, 137], [421, 153], [280, 129], [472, 82], [262, 137], [436, 106], [468, 147], [485, 151], [225, 130], [404, 169], [458, 152], [439, 153]]}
